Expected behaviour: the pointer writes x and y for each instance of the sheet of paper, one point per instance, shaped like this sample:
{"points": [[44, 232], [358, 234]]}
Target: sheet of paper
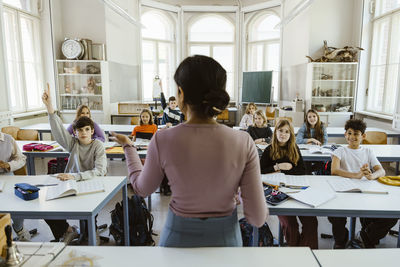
{"points": [[347, 185], [313, 196], [273, 178], [296, 180], [90, 186]]}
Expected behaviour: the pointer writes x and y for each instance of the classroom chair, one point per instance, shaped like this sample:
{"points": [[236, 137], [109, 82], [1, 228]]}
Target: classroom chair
{"points": [[224, 118], [375, 138], [283, 118], [28, 135], [270, 113], [11, 130]]}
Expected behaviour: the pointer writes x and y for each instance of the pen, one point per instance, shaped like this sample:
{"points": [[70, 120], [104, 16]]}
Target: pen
{"points": [[41, 185]]}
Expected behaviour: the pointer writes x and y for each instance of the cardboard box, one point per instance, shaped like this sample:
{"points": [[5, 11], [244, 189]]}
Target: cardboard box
{"points": [[4, 220]]}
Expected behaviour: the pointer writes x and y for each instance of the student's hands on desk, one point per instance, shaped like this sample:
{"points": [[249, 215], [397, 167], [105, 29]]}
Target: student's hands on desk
{"points": [[65, 176], [313, 141]]}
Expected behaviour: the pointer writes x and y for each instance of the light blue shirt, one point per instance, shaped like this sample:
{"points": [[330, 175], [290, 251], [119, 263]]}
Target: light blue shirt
{"points": [[302, 137]]}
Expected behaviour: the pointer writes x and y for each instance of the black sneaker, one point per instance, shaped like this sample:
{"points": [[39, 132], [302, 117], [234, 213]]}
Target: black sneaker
{"points": [[357, 242]]}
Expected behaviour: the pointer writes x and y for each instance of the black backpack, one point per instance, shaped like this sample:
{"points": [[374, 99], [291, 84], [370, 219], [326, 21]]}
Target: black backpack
{"points": [[265, 237], [140, 223]]}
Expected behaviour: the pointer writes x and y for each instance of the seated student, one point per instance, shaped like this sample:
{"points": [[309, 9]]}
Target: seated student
{"points": [[147, 128], [172, 116], [260, 131], [283, 155], [84, 110], [12, 159], [87, 159], [313, 131], [355, 161], [248, 117]]}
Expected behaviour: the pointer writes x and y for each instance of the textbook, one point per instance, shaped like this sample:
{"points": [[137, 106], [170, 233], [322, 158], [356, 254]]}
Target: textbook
{"points": [[314, 197], [348, 185], [280, 179], [72, 187]]}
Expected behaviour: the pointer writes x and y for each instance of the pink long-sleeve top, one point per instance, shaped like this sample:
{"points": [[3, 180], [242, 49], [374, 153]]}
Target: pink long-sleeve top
{"points": [[205, 165]]}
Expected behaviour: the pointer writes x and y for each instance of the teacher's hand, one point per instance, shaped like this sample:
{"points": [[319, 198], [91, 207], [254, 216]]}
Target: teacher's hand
{"points": [[121, 139]]}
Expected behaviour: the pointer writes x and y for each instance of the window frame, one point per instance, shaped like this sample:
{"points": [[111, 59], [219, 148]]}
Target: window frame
{"points": [[173, 25], [375, 23], [259, 15], [196, 16], [20, 13]]}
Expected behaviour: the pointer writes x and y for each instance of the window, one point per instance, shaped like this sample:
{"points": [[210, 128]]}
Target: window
{"points": [[24, 62], [214, 36], [385, 56], [158, 52], [263, 47]]}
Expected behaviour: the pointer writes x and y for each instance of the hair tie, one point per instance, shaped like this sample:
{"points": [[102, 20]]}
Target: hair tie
{"points": [[217, 109]]}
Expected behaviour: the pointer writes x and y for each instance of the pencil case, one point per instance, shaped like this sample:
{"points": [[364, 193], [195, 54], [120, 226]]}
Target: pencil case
{"points": [[26, 191], [274, 197], [36, 146]]}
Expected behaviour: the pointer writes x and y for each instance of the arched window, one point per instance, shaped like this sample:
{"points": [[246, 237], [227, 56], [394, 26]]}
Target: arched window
{"points": [[214, 36], [158, 51], [263, 46]]}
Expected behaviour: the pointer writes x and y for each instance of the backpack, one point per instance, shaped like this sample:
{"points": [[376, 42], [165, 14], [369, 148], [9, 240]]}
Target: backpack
{"points": [[265, 237], [140, 223], [165, 189]]}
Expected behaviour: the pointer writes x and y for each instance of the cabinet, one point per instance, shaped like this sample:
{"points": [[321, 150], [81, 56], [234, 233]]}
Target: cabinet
{"points": [[83, 82], [330, 90]]}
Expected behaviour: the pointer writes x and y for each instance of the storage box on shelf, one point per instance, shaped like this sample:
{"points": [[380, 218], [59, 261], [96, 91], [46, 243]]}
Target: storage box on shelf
{"points": [[83, 82], [331, 90]]}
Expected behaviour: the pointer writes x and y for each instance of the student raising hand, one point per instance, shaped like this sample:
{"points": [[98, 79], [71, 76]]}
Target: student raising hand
{"points": [[46, 98]]}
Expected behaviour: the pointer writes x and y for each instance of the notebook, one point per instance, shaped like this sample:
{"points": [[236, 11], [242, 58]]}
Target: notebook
{"points": [[320, 150], [313, 196], [280, 179], [357, 186], [142, 143], [72, 187]]}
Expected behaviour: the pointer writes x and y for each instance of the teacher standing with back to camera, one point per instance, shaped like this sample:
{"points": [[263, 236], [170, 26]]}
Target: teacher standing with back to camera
{"points": [[205, 163]]}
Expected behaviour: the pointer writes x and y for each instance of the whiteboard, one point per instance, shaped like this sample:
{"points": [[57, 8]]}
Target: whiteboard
{"points": [[124, 82]]}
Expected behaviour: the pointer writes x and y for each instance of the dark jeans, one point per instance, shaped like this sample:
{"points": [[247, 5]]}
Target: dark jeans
{"points": [[58, 227], [309, 233], [373, 229]]}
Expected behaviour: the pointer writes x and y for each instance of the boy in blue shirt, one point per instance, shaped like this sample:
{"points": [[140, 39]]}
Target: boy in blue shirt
{"points": [[355, 161], [172, 116]]}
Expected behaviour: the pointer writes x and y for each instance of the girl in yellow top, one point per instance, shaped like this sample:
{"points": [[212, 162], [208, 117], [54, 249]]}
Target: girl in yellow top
{"points": [[147, 128]]}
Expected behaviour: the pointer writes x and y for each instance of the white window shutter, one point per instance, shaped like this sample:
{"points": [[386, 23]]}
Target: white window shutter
{"points": [[396, 113]]}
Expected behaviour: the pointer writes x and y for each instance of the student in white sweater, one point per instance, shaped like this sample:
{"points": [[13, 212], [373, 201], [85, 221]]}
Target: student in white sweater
{"points": [[87, 159], [248, 117], [12, 159]]}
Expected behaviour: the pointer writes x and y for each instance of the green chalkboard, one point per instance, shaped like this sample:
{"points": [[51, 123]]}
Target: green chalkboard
{"points": [[257, 87]]}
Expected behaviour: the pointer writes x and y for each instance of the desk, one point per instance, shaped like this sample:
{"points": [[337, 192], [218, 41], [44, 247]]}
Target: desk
{"points": [[31, 155], [339, 131], [193, 257], [84, 207], [107, 128], [358, 257], [345, 204]]}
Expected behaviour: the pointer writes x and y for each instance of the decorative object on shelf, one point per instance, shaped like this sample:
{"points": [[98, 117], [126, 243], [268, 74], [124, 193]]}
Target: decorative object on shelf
{"points": [[69, 87], [72, 49], [91, 85], [72, 70], [87, 45], [333, 54], [98, 52], [91, 69], [326, 76]]}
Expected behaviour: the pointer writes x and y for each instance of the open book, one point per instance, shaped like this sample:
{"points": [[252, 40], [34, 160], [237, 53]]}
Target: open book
{"points": [[141, 143], [357, 186], [313, 196], [320, 150], [280, 179], [72, 187]]}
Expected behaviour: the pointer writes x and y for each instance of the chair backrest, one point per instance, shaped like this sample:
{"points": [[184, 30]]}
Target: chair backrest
{"points": [[375, 138], [135, 120], [28, 135], [283, 118], [21, 171], [11, 130], [270, 113], [224, 116]]}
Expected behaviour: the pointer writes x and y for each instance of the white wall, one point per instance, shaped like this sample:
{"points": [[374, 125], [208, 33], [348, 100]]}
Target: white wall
{"points": [[3, 81]]}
